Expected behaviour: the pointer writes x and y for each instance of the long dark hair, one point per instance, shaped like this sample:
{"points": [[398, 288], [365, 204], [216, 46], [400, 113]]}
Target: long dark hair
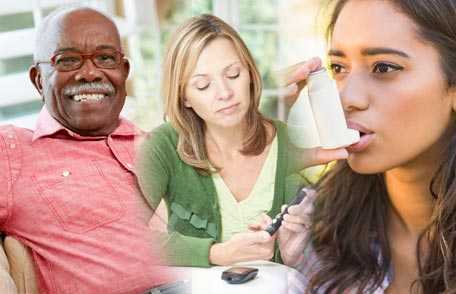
{"points": [[349, 227]]}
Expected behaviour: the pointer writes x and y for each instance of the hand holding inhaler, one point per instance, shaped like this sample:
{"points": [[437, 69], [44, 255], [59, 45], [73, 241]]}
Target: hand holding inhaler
{"points": [[317, 118], [292, 80]]}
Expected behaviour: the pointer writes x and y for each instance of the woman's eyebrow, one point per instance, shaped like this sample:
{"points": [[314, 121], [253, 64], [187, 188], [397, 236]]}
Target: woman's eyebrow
{"points": [[335, 52], [371, 51], [383, 50], [231, 64], [225, 68]]}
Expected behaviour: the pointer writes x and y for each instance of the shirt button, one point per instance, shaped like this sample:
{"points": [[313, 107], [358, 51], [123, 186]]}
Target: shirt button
{"points": [[65, 173], [12, 146], [10, 136]]}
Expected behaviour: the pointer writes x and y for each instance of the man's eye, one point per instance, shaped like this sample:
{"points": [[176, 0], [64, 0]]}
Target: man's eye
{"points": [[106, 58], [386, 68], [68, 60]]}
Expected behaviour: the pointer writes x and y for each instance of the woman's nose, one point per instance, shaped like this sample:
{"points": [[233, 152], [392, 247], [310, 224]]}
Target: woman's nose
{"points": [[224, 90], [354, 93]]}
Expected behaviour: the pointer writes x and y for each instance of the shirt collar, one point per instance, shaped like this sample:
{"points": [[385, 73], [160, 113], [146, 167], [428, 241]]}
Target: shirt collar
{"points": [[48, 126]]}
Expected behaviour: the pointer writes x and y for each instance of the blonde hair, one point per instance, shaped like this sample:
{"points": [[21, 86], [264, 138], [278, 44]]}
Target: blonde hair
{"points": [[183, 52]]}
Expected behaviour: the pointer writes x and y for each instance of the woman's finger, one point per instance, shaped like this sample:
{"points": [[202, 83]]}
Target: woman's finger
{"points": [[323, 156], [255, 227], [295, 228], [298, 72], [305, 158], [294, 219]]}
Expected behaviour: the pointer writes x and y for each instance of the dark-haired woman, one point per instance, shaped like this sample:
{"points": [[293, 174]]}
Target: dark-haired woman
{"points": [[384, 220]]}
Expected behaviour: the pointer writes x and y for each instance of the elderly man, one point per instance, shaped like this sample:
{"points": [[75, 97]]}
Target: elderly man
{"points": [[68, 189]]}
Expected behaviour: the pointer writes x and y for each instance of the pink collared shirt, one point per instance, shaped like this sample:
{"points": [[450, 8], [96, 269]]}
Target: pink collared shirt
{"points": [[74, 201]]}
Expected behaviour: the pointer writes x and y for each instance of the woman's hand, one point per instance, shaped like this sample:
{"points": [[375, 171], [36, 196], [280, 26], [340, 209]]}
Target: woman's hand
{"points": [[294, 231], [292, 80], [243, 247]]}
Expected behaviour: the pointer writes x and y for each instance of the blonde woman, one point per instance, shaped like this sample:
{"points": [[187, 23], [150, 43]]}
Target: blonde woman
{"points": [[218, 163]]}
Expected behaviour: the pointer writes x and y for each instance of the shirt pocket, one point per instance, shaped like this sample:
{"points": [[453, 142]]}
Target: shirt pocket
{"points": [[81, 197]]}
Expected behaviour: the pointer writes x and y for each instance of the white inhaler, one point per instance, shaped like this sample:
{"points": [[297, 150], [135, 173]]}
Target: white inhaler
{"points": [[317, 118]]}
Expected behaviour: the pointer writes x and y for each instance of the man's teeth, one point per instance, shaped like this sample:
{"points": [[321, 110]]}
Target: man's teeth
{"points": [[88, 97]]}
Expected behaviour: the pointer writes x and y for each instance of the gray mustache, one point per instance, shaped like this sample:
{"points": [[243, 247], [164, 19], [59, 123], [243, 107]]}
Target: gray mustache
{"points": [[105, 87]]}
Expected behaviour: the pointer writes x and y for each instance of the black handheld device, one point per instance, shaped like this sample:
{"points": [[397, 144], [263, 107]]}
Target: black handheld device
{"points": [[239, 275], [277, 221], [178, 287]]}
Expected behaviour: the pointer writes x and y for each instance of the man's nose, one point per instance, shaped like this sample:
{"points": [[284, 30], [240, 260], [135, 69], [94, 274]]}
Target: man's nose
{"points": [[88, 72], [354, 93]]}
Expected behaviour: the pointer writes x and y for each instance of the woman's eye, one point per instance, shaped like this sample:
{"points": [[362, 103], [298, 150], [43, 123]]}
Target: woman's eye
{"points": [[336, 68], [386, 68], [202, 87], [233, 75]]}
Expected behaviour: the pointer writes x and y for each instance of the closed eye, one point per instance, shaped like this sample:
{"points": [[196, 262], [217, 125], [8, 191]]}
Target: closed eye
{"points": [[202, 85], [234, 76], [202, 88]]}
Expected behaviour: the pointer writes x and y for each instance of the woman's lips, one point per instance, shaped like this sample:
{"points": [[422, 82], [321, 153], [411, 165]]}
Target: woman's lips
{"points": [[229, 109], [366, 137], [362, 144]]}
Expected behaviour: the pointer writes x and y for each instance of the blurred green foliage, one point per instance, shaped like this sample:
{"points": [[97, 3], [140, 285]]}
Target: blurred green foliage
{"points": [[184, 9], [17, 21], [15, 65], [258, 12]]}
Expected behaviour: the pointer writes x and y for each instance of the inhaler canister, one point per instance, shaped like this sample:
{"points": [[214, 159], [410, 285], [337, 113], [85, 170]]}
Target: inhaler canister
{"points": [[328, 112], [317, 119]]}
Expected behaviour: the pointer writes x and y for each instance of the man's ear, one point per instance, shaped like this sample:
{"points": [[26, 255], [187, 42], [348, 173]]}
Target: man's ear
{"points": [[452, 95], [126, 66], [35, 78]]}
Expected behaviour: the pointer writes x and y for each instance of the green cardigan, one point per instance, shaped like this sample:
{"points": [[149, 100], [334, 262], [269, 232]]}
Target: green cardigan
{"points": [[194, 221]]}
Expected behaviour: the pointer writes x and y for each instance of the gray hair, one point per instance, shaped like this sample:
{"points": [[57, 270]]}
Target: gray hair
{"points": [[47, 32]]}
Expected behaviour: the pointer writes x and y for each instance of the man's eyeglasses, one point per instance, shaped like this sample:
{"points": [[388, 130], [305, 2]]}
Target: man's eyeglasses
{"points": [[71, 60]]}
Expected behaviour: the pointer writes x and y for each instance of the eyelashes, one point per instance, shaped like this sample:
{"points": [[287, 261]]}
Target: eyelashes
{"points": [[234, 76], [336, 68], [384, 67], [202, 87], [378, 68]]}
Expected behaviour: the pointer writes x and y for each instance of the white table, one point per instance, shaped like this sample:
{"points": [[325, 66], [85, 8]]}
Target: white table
{"points": [[272, 278]]}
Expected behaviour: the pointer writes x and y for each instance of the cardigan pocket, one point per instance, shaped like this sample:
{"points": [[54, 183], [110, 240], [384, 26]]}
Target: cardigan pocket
{"points": [[181, 215]]}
